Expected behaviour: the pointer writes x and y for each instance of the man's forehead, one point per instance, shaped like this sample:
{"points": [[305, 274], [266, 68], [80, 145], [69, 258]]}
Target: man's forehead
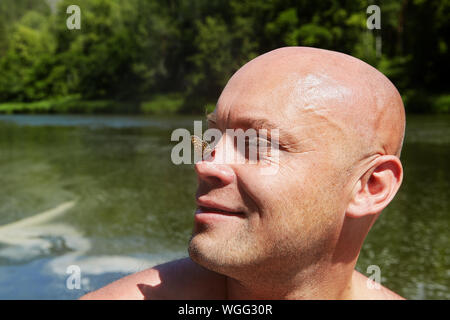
{"points": [[301, 125], [276, 90], [293, 132], [306, 100]]}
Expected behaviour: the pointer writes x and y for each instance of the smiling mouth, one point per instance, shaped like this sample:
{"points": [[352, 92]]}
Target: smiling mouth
{"points": [[202, 209]]}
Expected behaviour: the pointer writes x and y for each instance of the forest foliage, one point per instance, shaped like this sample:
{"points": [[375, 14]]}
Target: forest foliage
{"points": [[177, 55]]}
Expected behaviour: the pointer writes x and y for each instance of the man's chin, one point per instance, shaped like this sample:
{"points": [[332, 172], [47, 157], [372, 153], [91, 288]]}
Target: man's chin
{"points": [[207, 253], [198, 251], [216, 255]]}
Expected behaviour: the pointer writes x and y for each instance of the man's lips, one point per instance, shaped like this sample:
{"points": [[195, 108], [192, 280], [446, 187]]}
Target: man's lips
{"points": [[202, 209], [207, 206], [211, 215]]}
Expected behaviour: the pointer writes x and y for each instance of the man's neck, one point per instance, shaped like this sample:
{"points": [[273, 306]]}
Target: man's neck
{"points": [[330, 282]]}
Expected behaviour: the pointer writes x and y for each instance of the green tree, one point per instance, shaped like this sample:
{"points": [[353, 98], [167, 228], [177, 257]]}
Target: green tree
{"points": [[24, 63]]}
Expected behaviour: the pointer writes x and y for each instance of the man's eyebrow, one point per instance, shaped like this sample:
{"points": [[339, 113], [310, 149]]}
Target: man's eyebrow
{"points": [[262, 123], [258, 124], [246, 122]]}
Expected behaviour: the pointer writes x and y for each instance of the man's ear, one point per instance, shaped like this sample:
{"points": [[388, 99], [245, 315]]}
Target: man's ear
{"points": [[376, 187]]}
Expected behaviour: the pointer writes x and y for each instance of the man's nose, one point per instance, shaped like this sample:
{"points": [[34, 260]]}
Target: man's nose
{"points": [[214, 173], [214, 170]]}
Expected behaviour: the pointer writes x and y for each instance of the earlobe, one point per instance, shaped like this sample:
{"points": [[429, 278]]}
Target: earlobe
{"points": [[376, 188], [359, 202]]}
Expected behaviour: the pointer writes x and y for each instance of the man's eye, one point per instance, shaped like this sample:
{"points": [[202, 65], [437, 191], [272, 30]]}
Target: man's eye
{"points": [[258, 146], [259, 142], [251, 141]]}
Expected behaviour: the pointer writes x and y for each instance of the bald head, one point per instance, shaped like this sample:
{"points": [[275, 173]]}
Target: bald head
{"points": [[339, 124], [359, 106]]}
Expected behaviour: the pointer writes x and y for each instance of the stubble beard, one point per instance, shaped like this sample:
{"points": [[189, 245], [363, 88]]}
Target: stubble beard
{"points": [[229, 256]]}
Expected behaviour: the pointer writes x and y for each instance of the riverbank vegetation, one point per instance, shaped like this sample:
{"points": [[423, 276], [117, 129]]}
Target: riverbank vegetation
{"points": [[141, 56]]}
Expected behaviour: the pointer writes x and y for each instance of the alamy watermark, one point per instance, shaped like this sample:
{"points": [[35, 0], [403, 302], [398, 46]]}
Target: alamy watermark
{"points": [[373, 282], [73, 281], [73, 22], [373, 22], [236, 146]]}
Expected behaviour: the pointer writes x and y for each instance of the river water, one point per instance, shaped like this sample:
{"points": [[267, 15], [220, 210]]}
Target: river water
{"points": [[100, 195]]}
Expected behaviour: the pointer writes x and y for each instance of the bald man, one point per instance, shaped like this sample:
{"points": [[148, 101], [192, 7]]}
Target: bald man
{"points": [[295, 234]]}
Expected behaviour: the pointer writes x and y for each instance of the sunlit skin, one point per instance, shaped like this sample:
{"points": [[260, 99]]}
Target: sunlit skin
{"points": [[299, 231]]}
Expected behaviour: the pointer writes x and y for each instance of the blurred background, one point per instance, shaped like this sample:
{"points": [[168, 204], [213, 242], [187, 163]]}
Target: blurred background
{"points": [[86, 117]]}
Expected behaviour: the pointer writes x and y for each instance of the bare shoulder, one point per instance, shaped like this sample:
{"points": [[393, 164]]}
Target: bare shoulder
{"points": [[367, 289], [178, 279]]}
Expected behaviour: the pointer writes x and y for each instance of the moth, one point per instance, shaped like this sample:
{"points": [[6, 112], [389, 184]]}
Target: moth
{"points": [[201, 147]]}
